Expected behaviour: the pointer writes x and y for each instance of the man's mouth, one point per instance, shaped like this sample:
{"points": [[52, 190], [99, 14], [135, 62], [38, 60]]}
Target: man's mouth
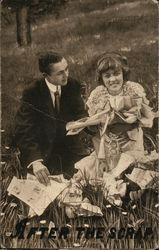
{"points": [[64, 81]]}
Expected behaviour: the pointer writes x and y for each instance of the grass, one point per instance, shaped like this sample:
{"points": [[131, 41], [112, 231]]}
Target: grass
{"points": [[135, 213], [82, 32]]}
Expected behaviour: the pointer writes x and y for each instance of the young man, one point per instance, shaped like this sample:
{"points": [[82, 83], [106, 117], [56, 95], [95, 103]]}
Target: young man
{"points": [[47, 105]]}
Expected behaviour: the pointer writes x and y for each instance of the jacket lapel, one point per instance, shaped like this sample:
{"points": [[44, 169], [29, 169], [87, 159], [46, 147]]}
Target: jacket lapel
{"points": [[65, 102], [46, 101], [48, 112], [63, 95], [47, 105]]}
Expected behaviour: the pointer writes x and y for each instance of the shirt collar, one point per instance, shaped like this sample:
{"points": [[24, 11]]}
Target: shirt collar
{"points": [[53, 88]]}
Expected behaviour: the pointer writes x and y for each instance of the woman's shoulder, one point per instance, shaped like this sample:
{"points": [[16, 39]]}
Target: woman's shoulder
{"points": [[134, 88], [97, 93], [99, 89], [97, 100]]}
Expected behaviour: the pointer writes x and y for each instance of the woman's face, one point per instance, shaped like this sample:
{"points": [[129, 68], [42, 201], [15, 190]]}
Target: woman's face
{"points": [[113, 80]]}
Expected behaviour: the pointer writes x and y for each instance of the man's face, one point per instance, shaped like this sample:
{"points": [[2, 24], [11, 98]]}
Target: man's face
{"points": [[58, 73], [113, 80]]}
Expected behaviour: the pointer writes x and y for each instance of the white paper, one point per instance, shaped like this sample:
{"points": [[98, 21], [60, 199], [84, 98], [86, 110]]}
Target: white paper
{"points": [[35, 194], [142, 177]]}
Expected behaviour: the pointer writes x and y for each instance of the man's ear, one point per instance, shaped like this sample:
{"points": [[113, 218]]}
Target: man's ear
{"points": [[44, 75]]}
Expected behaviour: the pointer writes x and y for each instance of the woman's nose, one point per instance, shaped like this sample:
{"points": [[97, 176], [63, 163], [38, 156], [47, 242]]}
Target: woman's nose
{"points": [[112, 78]]}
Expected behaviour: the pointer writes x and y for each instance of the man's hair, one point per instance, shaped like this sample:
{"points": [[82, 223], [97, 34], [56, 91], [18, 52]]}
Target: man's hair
{"points": [[48, 58]]}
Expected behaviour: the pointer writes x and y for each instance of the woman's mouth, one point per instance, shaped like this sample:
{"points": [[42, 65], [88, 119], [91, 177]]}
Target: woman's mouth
{"points": [[114, 85]]}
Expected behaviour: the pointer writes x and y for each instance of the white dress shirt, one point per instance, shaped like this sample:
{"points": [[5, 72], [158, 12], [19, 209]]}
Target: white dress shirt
{"points": [[52, 89]]}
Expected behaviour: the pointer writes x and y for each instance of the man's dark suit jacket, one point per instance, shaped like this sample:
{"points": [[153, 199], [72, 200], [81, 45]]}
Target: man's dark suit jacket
{"points": [[40, 134]]}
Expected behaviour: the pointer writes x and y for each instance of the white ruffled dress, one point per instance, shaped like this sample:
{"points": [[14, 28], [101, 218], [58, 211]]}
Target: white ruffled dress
{"points": [[121, 149]]}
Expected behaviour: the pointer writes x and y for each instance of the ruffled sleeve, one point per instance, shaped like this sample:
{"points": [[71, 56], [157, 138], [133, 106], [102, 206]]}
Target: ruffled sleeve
{"points": [[136, 90], [147, 116], [97, 100]]}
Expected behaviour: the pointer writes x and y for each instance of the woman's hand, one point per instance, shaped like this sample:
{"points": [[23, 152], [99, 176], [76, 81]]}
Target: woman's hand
{"points": [[130, 118]]}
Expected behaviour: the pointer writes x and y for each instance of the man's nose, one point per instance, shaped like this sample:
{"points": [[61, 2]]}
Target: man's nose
{"points": [[66, 73]]}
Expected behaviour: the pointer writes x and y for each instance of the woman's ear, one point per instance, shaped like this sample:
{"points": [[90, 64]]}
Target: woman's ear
{"points": [[124, 58], [98, 78]]}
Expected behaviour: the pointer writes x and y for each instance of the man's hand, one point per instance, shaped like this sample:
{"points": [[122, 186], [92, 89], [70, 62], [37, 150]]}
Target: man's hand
{"points": [[41, 172]]}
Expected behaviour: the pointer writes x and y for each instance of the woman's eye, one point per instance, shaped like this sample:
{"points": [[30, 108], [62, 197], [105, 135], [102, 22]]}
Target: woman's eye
{"points": [[60, 73], [107, 75], [116, 73]]}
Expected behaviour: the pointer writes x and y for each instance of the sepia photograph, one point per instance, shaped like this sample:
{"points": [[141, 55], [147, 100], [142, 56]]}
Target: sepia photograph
{"points": [[79, 124]]}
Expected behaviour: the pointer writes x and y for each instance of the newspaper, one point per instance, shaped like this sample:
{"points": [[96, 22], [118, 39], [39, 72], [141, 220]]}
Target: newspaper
{"points": [[142, 177], [35, 194]]}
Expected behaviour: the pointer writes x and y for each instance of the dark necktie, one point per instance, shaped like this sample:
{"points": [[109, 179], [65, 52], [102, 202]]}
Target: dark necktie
{"points": [[57, 101]]}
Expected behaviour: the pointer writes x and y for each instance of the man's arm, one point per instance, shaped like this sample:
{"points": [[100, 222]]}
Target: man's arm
{"points": [[26, 130], [27, 137]]}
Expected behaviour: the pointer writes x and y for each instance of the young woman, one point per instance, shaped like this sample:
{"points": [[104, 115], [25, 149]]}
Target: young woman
{"points": [[119, 138]]}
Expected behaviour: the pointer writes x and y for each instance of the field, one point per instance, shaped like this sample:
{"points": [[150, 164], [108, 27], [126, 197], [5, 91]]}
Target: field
{"points": [[84, 30]]}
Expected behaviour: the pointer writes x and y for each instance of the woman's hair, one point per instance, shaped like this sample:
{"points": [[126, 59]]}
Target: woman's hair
{"points": [[48, 58], [111, 61]]}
